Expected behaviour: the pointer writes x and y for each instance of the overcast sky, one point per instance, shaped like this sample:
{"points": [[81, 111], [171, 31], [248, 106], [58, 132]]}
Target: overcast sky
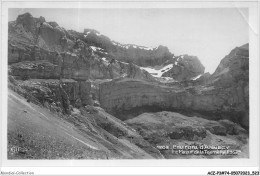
{"points": [[209, 34]]}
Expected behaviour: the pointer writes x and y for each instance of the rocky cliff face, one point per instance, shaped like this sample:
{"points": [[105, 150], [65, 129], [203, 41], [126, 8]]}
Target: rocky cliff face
{"points": [[43, 50], [71, 73], [233, 69], [124, 97], [89, 54], [128, 96], [139, 55], [60, 95], [184, 68], [73, 55]]}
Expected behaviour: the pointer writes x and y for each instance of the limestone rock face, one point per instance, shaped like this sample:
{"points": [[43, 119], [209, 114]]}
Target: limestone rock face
{"points": [[139, 55], [51, 35], [130, 97], [136, 96], [75, 67], [64, 65], [60, 94], [68, 51], [184, 68], [19, 53], [233, 69], [85, 92], [37, 69], [79, 55]]}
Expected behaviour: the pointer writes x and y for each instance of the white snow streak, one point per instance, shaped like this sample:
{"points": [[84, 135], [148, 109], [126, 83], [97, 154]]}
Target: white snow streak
{"points": [[197, 77], [157, 73]]}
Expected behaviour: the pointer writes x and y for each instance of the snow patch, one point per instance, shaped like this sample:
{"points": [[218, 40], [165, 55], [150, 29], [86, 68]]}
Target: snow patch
{"points": [[157, 73], [103, 52], [106, 61], [47, 24], [114, 43], [94, 48], [145, 48], [197, 77], [122, 62], [86, 34], [97, 49], [134, 46]]}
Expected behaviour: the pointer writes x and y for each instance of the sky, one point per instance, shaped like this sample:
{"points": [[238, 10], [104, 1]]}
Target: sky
{"points": [[208, 33]]}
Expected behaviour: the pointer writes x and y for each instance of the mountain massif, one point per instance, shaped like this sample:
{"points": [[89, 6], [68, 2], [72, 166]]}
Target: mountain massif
{"points": [[81, 95]]}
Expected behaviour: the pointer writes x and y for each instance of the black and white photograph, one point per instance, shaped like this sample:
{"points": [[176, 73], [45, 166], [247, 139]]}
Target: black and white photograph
{"points": [[129, 84]]}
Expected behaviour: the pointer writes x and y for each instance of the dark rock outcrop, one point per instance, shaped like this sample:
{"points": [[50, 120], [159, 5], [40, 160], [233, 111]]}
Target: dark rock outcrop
{"points": [[59, 93], [233, 68], [37, 69], [233, 71], [184, 68]]}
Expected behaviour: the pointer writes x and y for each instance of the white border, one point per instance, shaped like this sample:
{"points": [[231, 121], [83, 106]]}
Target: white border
{"points": [[253, 161]]}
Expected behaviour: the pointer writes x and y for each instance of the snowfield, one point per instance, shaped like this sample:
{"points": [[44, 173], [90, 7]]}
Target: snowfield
{"points": [[105, 61], [94, 48], [86, 34], [134, 46], [157, 73]]}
